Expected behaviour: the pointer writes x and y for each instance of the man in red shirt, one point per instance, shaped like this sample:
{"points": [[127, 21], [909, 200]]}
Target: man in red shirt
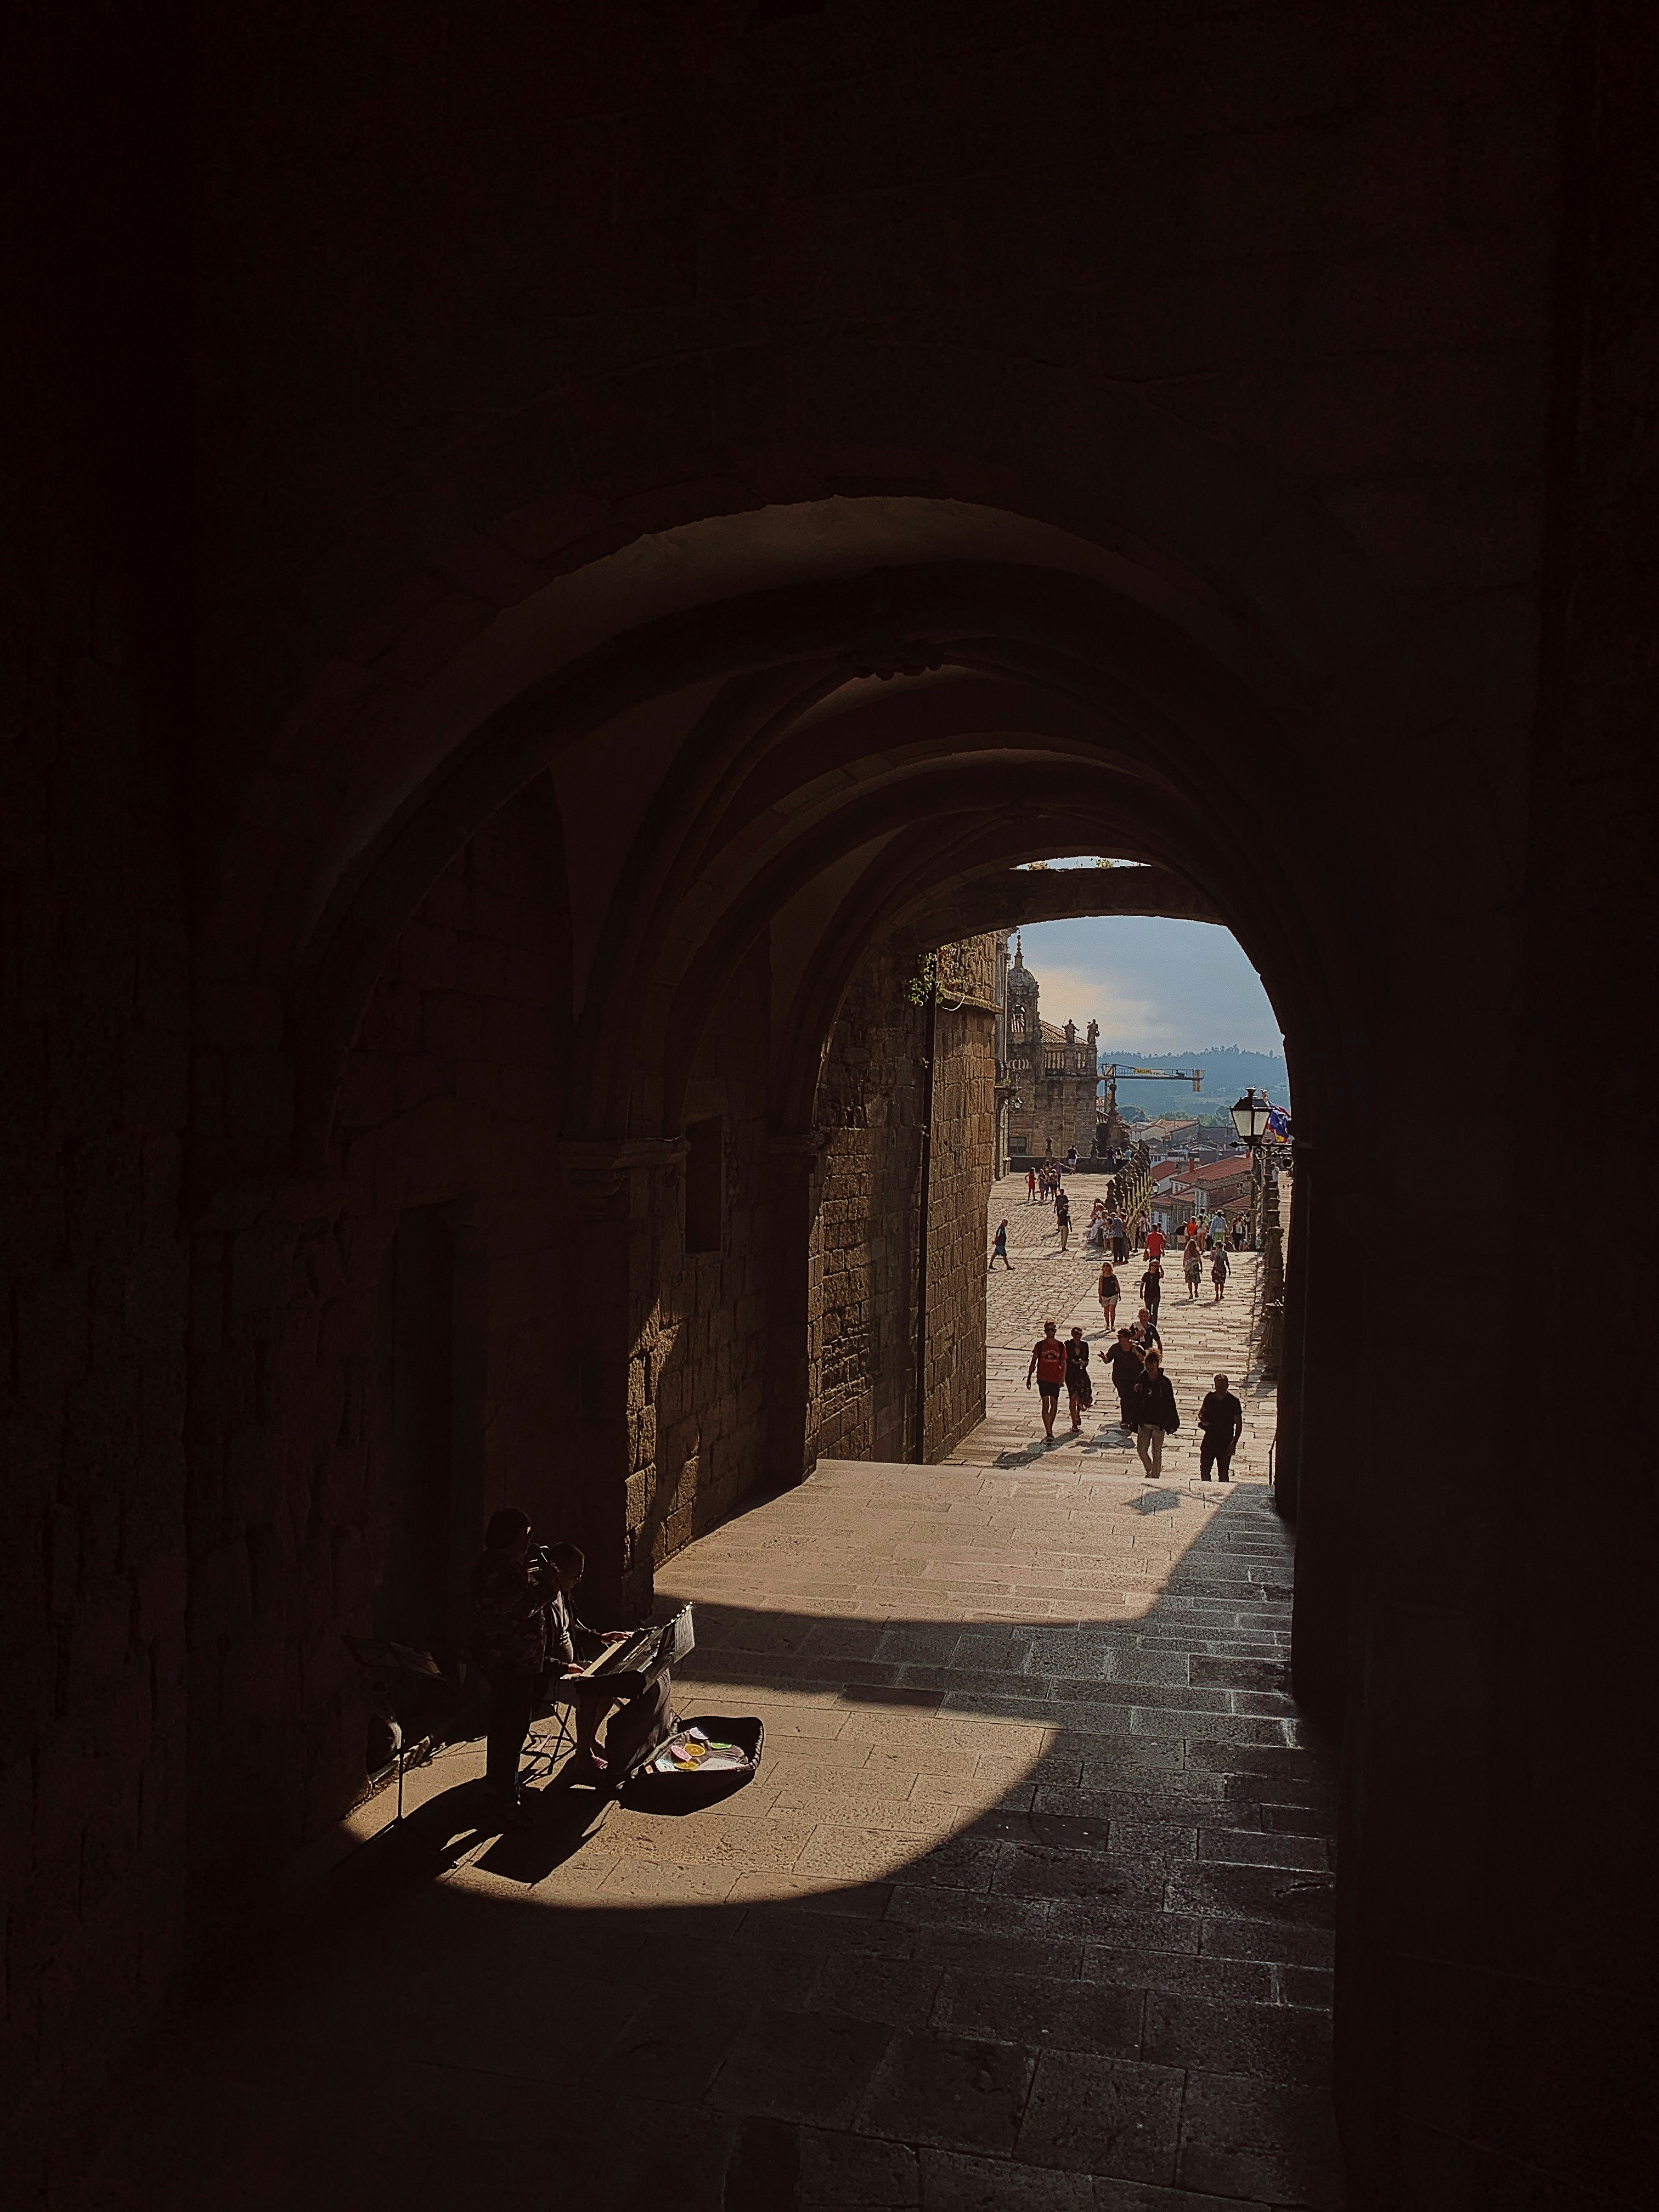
{"points": [[1048, 1366], [1154, 1243]]}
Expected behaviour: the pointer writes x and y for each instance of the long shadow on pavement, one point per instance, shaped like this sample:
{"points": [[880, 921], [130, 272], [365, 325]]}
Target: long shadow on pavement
{"points": [[1107, 1988]]}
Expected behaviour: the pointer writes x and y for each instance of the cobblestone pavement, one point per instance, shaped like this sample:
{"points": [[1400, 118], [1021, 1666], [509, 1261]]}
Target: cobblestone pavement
{"points": [[1027, 1909], [1200, 1340]]}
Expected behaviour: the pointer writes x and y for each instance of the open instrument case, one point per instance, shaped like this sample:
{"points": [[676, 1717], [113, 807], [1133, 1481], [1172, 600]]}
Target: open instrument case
{"points": [[647, 1791]]}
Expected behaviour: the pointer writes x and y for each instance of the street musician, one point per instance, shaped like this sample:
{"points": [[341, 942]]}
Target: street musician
{"points": [[526, 1638], [572, 1649]]}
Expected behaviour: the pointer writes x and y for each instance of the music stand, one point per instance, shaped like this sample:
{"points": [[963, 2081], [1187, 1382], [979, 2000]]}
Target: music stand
{"points": [[377, 1655]]}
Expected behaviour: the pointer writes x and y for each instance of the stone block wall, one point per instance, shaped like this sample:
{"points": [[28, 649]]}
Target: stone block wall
{"points": [[959, 1186], [703, 1361], [445, 1146], [862, 1332], [94, 1067], [871, 1107]]}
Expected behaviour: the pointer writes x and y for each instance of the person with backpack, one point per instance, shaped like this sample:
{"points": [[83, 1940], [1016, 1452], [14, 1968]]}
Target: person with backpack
{"points": [[1155, 1414], [1048, 1366], [1221, 1268], [1192, 1265], [1078, 1388]]}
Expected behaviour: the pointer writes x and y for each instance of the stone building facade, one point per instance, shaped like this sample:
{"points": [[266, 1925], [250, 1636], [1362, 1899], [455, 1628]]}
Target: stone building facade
{"points": [[1051, 1073]]}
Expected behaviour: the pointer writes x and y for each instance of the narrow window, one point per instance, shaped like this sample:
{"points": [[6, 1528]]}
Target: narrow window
{"points": [[705, 1184]]}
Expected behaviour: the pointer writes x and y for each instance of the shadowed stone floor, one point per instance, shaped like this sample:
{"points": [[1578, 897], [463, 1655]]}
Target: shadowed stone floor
{"points": [[1029, 1907]]}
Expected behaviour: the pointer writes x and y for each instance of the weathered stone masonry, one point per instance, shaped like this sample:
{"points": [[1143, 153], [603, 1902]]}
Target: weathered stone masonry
{"points": [[865, 1242]]}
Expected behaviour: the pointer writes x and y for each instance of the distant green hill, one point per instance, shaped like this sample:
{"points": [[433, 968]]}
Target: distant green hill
{"points": [[1228, 1071]]}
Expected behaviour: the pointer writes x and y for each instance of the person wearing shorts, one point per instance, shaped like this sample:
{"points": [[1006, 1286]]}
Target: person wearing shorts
{"points": [[1048, 1366], [1110, 1291]]}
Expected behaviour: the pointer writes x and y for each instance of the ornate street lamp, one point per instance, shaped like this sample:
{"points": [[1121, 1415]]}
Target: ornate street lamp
{"points": [[1250, 1117], [1250, 1120]]}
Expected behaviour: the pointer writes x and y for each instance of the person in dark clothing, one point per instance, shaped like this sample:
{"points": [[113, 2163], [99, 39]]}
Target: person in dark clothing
{"points": [[1151, 1286], [1222, 1420], [1062, 1217], [525, 1634], [1127, 1367], [1078, 1389], [1155, 1416], [570, 1643], [1000, 1248], [511, 1595]]}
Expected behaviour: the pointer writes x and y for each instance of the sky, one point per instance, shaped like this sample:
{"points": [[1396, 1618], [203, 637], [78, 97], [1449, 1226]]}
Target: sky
{"points": [[1154, 986]]}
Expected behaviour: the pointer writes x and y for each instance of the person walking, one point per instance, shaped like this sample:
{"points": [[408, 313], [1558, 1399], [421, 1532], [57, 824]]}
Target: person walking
{"points": [[1222, 1420], [1151, 1286], [1119, 1233], [1192, 1266], [1110, 1291], [1062, 1217], [1221, 1268], [1155, 1242], [1155, 1414], [1048, 1366], [999, 1248], [1078, 1388], [1145, 1331], [1031, 1185], [1127, 1368], [1238, 1234]]}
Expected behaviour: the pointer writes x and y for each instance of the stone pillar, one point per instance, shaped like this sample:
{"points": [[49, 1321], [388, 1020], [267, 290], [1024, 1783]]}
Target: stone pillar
{"points": [[793, 1191], [1317, 1439]]}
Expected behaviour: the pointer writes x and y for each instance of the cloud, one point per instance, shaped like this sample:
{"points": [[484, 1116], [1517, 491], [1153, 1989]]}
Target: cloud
{"points": [[1152, 985]]}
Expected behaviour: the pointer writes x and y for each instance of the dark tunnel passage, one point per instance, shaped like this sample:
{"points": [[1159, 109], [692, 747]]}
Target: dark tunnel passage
{"points": [[562, 569]]}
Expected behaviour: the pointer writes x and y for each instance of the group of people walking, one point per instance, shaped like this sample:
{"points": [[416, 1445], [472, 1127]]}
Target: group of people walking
{"points": [[1145, 1397], [1135, 1356], [1110, 1288]]}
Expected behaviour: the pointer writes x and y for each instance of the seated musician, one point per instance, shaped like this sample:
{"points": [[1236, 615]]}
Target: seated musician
{"points": [[570, 1644]]}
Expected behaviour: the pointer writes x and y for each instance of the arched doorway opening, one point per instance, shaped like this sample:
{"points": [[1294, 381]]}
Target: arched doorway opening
{"points": [[688, 839]]}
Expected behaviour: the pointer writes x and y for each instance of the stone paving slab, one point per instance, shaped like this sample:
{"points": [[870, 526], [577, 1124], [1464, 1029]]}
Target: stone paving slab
{"points": [[1032, 1896]]}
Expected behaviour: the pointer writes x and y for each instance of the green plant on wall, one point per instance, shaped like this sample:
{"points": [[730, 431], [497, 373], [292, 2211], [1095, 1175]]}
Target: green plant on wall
{"points": [[925, 982]]}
